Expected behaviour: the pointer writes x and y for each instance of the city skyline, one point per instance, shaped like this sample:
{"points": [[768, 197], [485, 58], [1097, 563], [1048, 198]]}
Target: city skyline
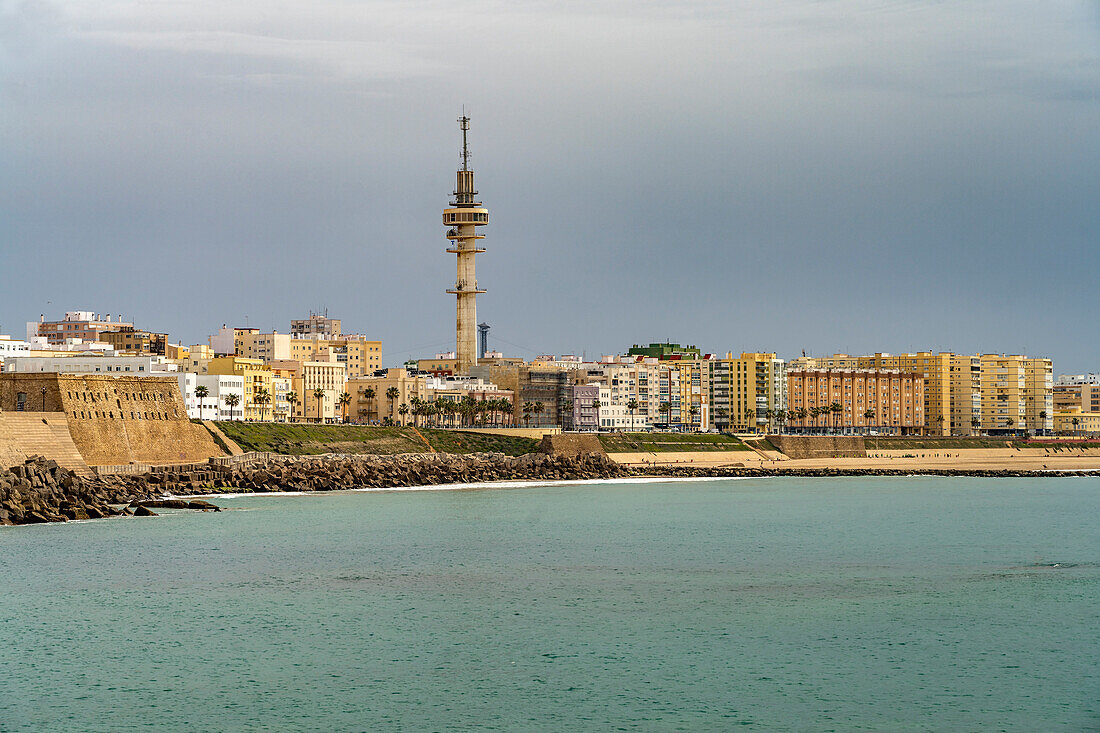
{"points": [[872, 177]]}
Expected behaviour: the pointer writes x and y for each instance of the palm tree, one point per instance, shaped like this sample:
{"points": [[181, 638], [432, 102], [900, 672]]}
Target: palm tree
{"points": [[538, 409], [869, 415], [369, 394], [836, 409], [402, 411], [693, 410], [666, 407], [232, 399], [344, 399], [566, 409], [319, 395], [1043, 417], [1076, 421], [596, 406], [392, 393], [632, 405], [506, 410], [721, 414], [292, 400], [261, 398], [202, 393]]}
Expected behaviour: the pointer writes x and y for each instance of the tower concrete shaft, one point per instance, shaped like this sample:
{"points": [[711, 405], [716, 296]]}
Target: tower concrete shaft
{"points": [[463, 218]]}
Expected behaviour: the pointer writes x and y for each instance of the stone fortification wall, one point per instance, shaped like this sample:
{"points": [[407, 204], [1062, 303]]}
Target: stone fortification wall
{"points": [[571, 444], [26, 434], [115, 419], [820, 446]]}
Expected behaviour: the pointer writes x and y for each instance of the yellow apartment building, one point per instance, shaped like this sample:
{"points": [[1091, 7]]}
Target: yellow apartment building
{"points": [[257, 376], [1016, 394], [329, 377], [370, 402], [1075, 421]]}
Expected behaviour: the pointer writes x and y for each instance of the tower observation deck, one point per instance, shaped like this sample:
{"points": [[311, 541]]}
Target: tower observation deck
{"points": [[462, 219]]}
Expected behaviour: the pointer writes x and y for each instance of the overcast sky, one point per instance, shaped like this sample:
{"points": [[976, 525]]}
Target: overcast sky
{"points": [[825, 176]]}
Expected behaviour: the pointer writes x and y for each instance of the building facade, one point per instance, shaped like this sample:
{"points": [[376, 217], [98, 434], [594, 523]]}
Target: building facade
{"points": [[869, 400], [82, 325]]}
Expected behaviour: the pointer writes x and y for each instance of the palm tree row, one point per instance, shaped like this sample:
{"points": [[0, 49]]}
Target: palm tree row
{"points": [[465, 412]]}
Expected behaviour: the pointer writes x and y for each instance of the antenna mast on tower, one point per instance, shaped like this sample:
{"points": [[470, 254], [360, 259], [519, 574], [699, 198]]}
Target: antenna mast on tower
{"points": [[464, 124]]}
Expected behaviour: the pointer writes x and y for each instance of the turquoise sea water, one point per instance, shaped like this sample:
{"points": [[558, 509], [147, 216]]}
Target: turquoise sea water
{"points": [[920, 604]]}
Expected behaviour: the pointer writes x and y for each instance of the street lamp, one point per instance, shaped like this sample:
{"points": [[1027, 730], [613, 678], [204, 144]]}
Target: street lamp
{"points": [[43, 399]]}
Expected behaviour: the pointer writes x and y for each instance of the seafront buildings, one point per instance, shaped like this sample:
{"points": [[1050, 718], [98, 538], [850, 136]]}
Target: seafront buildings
{"points": [[316, 372], [967, 394]]}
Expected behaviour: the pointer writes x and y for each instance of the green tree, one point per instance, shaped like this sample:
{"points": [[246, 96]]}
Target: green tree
{"points": [[403, 410], [261, 397], [392, 394], [232, 399], [202, 393], [344, 400], [319, 396], [368, 392], [567, 410], [869, 415], [1076, 421], [666, 407], [292, 400], [632, 405]]}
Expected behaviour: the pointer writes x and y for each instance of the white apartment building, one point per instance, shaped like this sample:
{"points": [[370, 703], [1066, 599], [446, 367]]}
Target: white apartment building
{"points": [[218, 387], [614, 415], [146, 366], [13, 347]]}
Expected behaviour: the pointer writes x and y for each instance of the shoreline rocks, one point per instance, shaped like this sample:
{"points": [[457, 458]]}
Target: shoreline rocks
{"points": [[40, 491]]}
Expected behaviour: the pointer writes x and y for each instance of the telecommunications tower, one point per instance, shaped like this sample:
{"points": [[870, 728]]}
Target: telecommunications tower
{"points": [[462, 220]]}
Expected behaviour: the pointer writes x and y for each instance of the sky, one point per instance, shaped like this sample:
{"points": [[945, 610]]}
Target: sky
{"points": [[830, 176]]}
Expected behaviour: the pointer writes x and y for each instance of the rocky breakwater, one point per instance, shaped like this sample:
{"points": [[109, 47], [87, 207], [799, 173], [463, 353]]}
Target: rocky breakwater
{"points": [[329, 473], [40, 491]]}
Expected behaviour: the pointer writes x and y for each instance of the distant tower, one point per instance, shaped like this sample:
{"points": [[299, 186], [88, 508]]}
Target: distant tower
{"points": [[482, 339], [462, 219]]}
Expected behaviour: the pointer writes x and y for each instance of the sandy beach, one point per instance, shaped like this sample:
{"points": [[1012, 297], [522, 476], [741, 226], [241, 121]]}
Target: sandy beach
{"points": [[1027, 459]]}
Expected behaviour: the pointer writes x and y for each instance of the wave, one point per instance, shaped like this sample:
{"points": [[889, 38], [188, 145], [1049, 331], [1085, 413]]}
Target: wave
{"points": [[485, 485]]}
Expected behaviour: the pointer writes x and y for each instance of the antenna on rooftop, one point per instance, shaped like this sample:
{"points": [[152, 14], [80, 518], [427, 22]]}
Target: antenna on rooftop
{"points": [[464, 125]]}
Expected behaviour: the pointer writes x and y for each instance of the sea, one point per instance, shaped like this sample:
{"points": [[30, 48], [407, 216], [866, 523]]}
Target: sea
{"points": [[773, 604]]}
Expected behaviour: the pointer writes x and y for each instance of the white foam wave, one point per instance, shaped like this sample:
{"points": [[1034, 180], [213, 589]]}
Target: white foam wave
{"points": [[483, 485]]}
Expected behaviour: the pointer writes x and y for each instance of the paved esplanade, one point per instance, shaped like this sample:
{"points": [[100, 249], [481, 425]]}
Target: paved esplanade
{"points": [[463, 219]]}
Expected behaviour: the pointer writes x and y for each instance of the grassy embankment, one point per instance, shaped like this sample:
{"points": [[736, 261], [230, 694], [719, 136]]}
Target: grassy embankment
{"points": [[300, 439], [669, 442], [920, 443]]}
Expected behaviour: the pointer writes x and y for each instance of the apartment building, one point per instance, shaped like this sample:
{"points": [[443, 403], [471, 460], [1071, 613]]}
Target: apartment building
{"points": [[81, 325], [318, 386], [870, 400], [1079, 390], [956, 385], [1016, 394], [1075, 421], [128, 340], [256, 377], [214, 405]]}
